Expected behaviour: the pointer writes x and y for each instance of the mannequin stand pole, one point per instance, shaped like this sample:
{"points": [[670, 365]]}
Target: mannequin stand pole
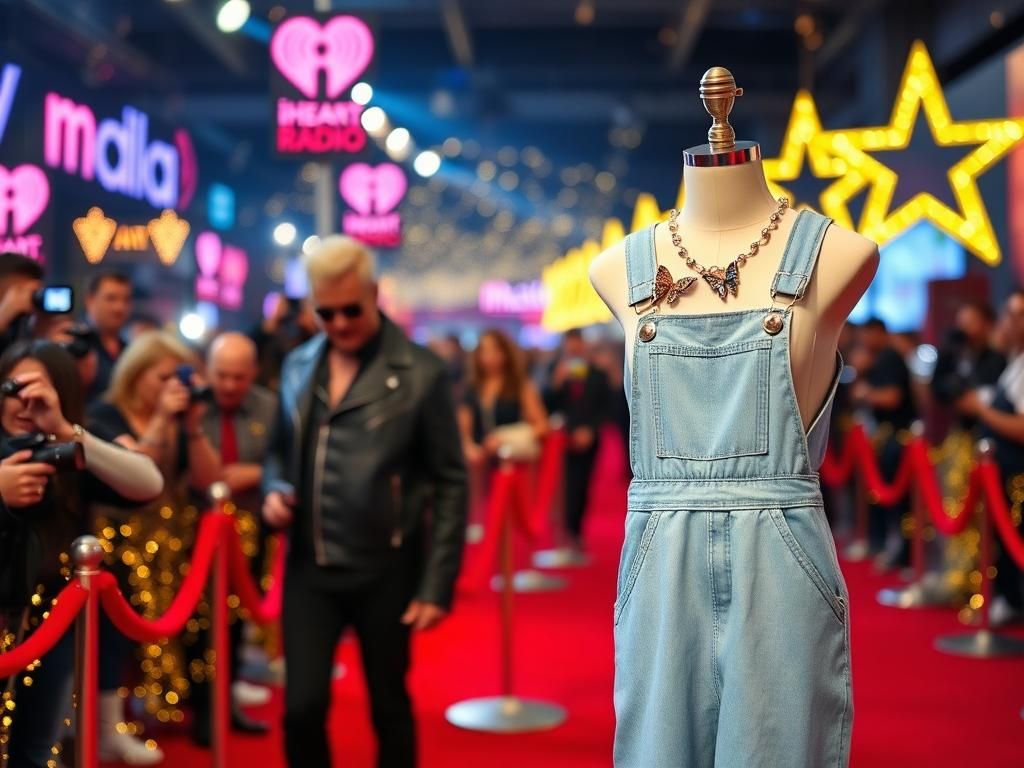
{"points": [[506, 713]]}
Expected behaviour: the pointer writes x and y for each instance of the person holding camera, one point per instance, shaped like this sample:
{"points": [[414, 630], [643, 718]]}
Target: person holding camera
{"points": [[238, 420], [579, 391], [152, 406], [50, 464]]}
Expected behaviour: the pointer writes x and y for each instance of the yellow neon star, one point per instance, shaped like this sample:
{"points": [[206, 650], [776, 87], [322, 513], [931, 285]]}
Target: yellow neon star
{"points": [[799, 144], [920, 88]]}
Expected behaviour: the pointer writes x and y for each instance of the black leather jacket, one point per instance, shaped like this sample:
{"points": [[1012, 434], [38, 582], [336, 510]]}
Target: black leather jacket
{"points": [[388, 469]]}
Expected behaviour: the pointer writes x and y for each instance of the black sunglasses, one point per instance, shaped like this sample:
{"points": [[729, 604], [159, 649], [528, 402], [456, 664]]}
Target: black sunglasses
{"points": [[349, 311]]}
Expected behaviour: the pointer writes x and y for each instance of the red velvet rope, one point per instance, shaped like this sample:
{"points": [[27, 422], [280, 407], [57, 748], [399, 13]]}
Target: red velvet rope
{"points": [[503, 488], [141, 629], [1000, 511], [38, 644], [537, 516], [264, 609]]}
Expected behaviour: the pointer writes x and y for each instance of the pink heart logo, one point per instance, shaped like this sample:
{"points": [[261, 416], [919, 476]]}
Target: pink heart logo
{"points": [[369, 189], [24, 193], [342, 48]]}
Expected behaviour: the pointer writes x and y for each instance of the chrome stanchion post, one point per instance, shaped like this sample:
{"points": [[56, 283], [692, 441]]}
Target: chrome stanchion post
{"points": [[87, 554], [859, 548], [922, 592], [220, 711], [984, 643], [506, 713]]}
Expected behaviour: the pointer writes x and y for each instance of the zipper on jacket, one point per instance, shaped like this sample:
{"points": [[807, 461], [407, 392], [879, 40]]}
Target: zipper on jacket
{"points": [[318, 480], [396, 505]]}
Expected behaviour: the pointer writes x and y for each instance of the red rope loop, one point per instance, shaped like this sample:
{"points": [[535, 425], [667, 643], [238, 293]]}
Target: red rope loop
{"points": [[63, 612], [995, 497], [172, 622], [264, 609]]}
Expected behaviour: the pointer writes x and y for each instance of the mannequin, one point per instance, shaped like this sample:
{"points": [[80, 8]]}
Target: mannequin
{"points": [[723, 212], [731, 612]]}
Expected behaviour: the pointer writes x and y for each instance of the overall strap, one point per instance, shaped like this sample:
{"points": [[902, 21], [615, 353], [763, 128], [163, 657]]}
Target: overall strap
{"points": [[800, 255], [641, 265]]}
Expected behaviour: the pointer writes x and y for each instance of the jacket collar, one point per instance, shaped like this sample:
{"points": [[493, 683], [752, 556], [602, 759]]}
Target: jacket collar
{"points": [[379, 376]]}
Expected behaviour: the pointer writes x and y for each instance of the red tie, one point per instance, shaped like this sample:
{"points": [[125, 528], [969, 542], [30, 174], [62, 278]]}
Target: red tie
{"points": [[228, 438]]}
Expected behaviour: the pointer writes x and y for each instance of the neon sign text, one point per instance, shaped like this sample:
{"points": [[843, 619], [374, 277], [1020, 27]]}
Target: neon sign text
{"points": [[24, 195], [117, 153]]}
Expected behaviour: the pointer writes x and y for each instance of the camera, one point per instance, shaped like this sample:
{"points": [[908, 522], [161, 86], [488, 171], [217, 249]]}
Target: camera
{"points": [[61, 456], [54, 299], [196, 394], [11, 388], [83, 339]]}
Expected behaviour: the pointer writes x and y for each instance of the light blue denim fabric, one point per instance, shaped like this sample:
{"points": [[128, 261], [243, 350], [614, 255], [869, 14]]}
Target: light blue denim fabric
{"points": [[731, 629]]}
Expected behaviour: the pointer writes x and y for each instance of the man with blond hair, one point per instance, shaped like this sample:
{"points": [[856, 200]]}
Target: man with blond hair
{"points": [[364, 446]]}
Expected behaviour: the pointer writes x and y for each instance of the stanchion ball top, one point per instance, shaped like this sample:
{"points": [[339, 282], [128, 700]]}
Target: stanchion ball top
{"points": [[985, 447], [220, 491], [87, 552]]}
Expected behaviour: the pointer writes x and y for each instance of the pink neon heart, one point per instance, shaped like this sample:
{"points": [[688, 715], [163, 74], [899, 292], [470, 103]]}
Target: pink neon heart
{"points": [[370, 189], [208, 253], [342, 48], [24, 193]]}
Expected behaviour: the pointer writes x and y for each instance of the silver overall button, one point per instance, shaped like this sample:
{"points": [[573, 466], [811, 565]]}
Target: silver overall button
{"points": [[648, 331], [772, 323]]}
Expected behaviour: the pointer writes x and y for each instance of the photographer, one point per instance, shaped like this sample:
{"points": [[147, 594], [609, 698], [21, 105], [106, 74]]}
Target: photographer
{"points": [[967, 360], [40, 516], [150, 408], [20, 279], [75, 338]]}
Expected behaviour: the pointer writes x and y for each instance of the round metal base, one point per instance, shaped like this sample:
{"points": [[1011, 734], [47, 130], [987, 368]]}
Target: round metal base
{"points": [[562, 557], [915, 596], [983, 644], [529, 581], [505, 714], [856, 551]]}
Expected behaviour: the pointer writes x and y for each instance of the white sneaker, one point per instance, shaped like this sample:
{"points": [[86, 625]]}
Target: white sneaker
{"points": [[125, 748], [1001, 613], [246, 694]]}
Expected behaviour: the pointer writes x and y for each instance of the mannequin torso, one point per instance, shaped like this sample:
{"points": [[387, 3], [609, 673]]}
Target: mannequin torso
{"points": [[724, 211]]}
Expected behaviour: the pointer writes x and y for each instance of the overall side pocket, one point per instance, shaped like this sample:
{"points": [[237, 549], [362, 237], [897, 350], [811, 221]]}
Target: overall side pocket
{"points": [[640, 528], [804, 556]]}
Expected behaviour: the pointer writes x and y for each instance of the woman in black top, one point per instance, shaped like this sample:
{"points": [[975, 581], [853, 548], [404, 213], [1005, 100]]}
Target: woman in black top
{"points": [[42, 511], [499, 394]]}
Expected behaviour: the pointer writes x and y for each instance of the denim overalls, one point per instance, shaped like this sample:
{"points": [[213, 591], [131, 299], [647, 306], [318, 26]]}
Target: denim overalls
{"points": [[731, 638]]}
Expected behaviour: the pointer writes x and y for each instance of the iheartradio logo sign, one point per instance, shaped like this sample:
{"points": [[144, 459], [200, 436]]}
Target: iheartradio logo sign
{"points": [[223, 269], [24, 195], [317, 59], [118, 153], [373, 192]]}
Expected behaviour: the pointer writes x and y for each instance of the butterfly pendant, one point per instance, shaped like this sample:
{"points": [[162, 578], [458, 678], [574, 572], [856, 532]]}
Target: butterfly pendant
{"points": [[667, 288], [723, 281]]}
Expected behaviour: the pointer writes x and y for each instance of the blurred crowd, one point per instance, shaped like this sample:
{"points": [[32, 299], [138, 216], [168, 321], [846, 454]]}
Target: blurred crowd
{"points": [[967, 387], [114, 426]]}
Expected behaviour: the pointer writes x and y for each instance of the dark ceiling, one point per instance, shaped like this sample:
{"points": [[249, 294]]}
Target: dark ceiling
{"points": [[616, 93]]}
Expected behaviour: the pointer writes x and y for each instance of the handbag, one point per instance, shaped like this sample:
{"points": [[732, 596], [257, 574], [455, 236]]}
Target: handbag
{"points": [[517, 442]]}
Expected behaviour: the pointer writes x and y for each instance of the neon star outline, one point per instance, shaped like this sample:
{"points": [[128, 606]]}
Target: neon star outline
{"points": [[799, 144], [920, 88]]}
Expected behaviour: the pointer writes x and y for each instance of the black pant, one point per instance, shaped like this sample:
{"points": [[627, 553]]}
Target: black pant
{"points": [[318, 607], [578, 469]]}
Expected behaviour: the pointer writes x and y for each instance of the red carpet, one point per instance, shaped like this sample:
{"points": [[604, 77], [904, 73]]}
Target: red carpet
{"points": [[913, 705]]}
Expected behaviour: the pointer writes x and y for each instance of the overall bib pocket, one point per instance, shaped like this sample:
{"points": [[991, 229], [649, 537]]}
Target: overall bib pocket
{"points": [[734, 377], [811, 555], [640, 528]]}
